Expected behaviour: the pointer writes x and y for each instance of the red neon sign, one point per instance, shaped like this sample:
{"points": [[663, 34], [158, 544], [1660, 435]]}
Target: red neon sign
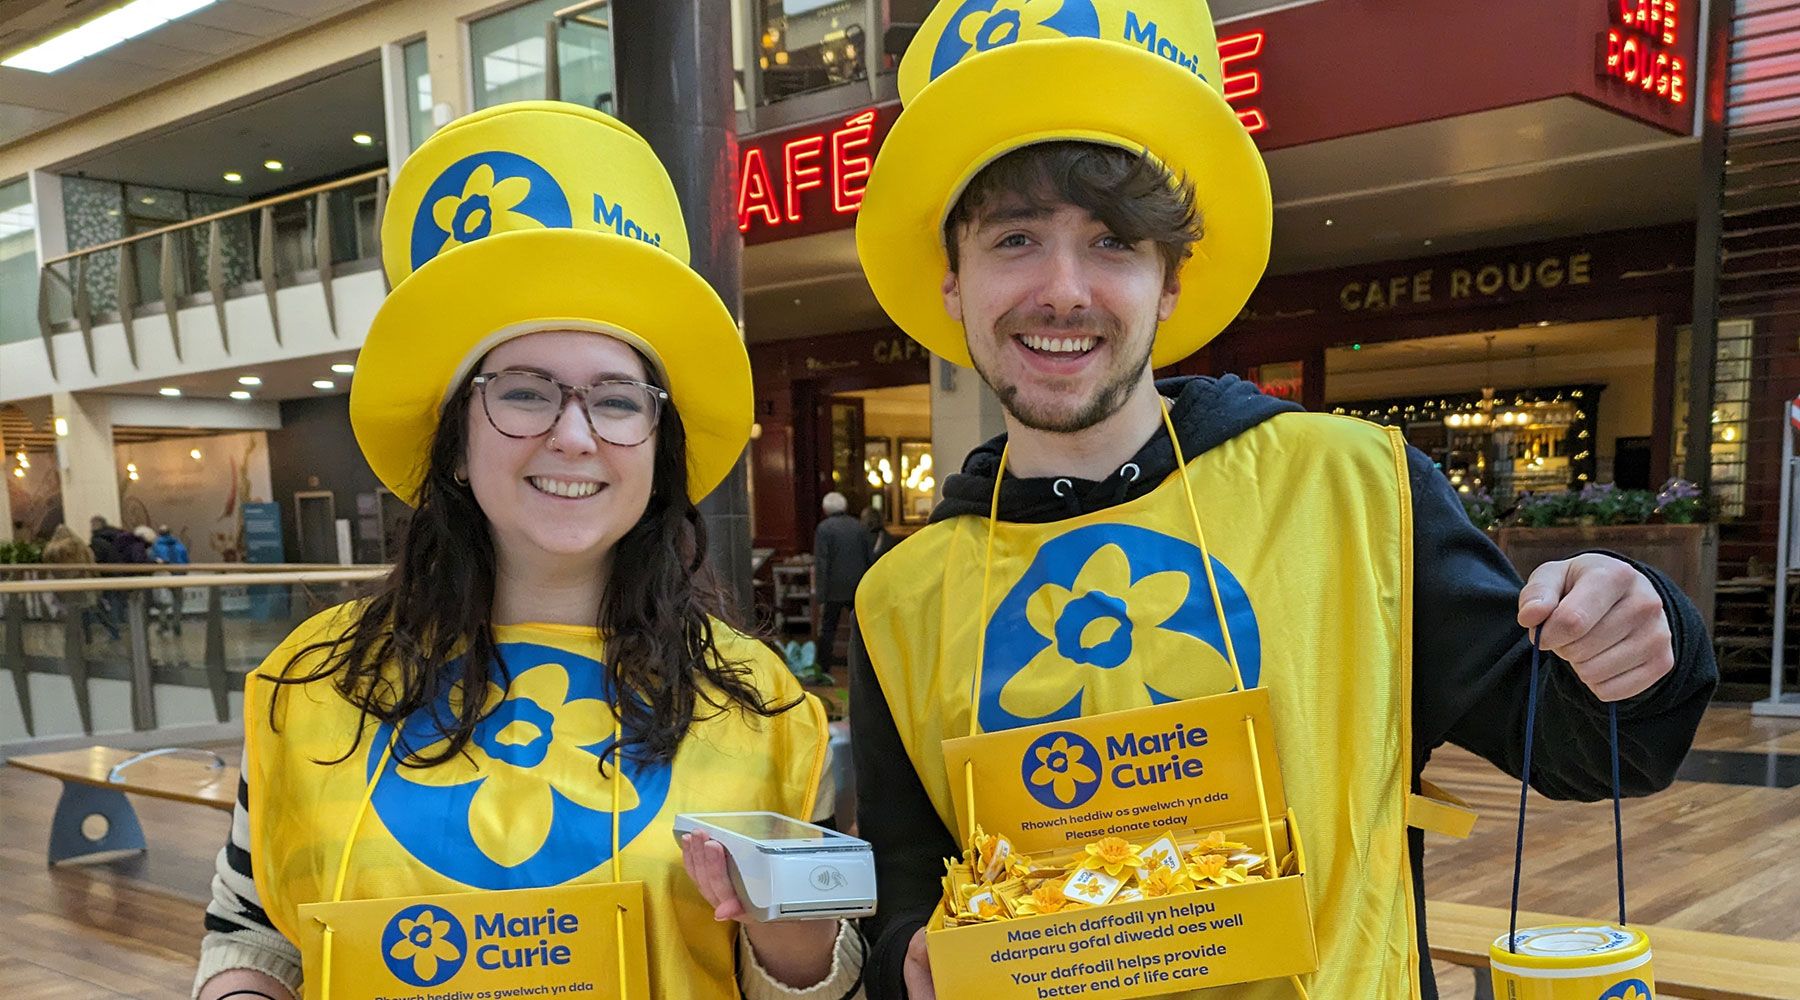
{"points": [[1241, 84], [808, 179], [1638, 50]]}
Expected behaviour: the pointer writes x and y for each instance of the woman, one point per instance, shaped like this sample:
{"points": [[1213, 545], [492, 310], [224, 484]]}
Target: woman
{"points": [[552, 400], [67, 549]]}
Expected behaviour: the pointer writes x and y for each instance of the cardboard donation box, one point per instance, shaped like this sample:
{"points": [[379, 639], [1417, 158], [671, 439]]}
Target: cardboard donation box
{"points": [[1124, 855]]}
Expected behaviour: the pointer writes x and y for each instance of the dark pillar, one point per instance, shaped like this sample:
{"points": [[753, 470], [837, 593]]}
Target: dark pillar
{"points": [[1708, 229], [672, 59]]}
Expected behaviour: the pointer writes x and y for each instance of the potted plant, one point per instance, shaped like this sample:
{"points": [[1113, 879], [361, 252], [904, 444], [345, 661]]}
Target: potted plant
{"points": [[1662, 530]]}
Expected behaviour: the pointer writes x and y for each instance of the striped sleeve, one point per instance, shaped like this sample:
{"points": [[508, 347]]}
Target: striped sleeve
{"points": [[239, 934]]}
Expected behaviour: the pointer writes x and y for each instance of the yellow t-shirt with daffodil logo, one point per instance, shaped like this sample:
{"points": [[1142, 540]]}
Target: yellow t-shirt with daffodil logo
{"points": [[525, 805], [1308, 524]]}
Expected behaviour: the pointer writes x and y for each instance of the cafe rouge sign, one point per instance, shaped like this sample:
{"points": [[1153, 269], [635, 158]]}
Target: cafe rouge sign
{"points": [[1475, 283]]}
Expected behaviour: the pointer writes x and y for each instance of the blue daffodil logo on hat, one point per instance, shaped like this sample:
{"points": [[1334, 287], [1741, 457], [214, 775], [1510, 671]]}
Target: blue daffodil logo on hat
{"points": [[424, 945], [981, 25], [1110, 617], [1061, 770], [526, 803], [483, 194]]}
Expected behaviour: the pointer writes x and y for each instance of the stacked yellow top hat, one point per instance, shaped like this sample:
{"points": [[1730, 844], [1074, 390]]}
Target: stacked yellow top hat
{"points": [[534, 216], [985, 77]]}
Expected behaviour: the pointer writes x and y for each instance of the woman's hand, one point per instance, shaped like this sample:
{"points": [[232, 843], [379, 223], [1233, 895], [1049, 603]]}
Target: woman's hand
{"points": [[796, 953]]}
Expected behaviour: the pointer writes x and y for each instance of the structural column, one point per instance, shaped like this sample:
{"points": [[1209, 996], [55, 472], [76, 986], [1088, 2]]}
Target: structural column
{"points": [[6, 515], [964, 413], [84, 457], [672, 60]]}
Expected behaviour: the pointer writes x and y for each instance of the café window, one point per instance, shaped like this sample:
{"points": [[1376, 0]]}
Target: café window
{"points": [[1730, 416], [803, 46]]}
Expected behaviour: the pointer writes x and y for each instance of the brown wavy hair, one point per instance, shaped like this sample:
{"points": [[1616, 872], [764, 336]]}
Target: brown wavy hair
{"points": [[435, 609], [1130, 193]]}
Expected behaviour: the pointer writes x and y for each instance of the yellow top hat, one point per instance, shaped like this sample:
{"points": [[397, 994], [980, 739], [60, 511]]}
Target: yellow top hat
{"points": [[985, 77], [534, 216]]}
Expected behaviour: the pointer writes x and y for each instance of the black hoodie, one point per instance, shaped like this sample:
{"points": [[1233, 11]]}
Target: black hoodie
{"points": [[1470, 667]]}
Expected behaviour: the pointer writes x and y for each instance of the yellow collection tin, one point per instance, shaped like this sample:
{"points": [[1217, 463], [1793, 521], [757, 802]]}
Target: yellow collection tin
{"points": [[1573, 962]]}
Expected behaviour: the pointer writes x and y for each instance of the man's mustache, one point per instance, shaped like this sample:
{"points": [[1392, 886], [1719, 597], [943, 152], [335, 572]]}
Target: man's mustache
{"points": [[1092, 321]]}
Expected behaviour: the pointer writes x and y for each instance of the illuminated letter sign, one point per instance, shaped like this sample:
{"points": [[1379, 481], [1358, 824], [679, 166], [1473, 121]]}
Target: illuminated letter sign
{"points": [[1241, 83], [809, 179], [1639, 49]]}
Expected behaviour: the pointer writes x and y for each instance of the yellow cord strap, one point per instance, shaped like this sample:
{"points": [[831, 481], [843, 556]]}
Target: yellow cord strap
{"points": [[987, 579]]}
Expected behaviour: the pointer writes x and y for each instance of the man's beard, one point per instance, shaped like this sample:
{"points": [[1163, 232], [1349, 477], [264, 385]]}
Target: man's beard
{"points": [[1105, 402]]}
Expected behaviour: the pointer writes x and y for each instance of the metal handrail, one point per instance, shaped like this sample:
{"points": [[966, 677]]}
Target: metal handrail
{"points": [[145, 569], [189, 582], [255, 206]]}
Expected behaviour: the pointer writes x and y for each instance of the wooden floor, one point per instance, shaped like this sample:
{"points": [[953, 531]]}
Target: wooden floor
{"points": [[1723, 858], [1703, 856]]}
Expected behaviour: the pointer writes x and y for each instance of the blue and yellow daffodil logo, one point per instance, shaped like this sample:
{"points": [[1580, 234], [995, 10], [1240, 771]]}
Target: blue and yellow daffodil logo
{"points": [[526, 803], [1630, 989], [482, 195], [1111, 617], [424, 945], [981, 25], [1061, 770]]}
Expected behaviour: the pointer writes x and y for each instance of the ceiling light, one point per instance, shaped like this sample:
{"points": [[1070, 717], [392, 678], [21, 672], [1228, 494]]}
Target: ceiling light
{"points": [[1331, 222], [343, 369], [169, 390], [130, 466], [324, 383], [363, 139], [249, 380], [239, 394], [1427, 242], [274, 166], [233, 177], [101, 33], [62, 427], [147, 200], [194, 454], [133, 476], [20, 473]]}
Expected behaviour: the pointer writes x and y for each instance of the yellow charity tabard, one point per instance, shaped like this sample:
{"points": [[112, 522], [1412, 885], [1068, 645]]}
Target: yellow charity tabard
{"points": [[1308, 518], [526, 806]]}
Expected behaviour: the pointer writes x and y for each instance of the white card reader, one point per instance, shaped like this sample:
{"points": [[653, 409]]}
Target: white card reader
{"points": [[788, 870]]}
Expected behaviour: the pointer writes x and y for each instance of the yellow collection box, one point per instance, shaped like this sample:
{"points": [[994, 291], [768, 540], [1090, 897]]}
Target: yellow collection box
{"points": [[1182, 771]]}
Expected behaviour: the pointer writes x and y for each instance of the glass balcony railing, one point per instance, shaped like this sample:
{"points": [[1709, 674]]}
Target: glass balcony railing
{"points": [[94, 650], [306, 236]]}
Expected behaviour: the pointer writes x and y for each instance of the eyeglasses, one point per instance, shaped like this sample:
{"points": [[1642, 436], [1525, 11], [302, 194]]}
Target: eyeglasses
{"points": [[527, 405]]}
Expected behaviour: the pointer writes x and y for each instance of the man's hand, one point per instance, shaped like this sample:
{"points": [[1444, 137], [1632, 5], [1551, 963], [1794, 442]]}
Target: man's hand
{"points": [[918, 969], [1603, 617]]}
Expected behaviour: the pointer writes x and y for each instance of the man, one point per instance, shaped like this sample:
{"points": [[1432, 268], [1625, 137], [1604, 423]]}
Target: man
{"points": [[1035, 241], [842, 552], [112, 545], [170, 551]]}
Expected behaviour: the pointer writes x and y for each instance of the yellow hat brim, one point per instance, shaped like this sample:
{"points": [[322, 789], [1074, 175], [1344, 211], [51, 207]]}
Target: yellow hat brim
{"points": [[435, 325], [1064, 89]]}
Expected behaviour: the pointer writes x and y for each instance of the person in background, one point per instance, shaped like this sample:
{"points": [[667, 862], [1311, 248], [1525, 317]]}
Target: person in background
{"points": [[169, 550], [66, 549], [111, 544], [842, 553], [880, 539]]}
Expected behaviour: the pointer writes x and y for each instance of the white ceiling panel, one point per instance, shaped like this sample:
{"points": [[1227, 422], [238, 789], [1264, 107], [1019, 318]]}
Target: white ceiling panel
{"points": [[146, 57], [194, 37], [224, 29], [247, 19], [16, 120]]}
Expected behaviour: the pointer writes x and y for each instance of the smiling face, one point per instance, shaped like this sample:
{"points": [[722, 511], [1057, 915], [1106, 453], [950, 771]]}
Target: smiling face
{"points": [[567, 496], [1060, 312]]}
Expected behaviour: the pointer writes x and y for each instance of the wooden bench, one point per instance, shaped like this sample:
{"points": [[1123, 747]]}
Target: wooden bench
{"points": [[94, 820], [1687, 963]]}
